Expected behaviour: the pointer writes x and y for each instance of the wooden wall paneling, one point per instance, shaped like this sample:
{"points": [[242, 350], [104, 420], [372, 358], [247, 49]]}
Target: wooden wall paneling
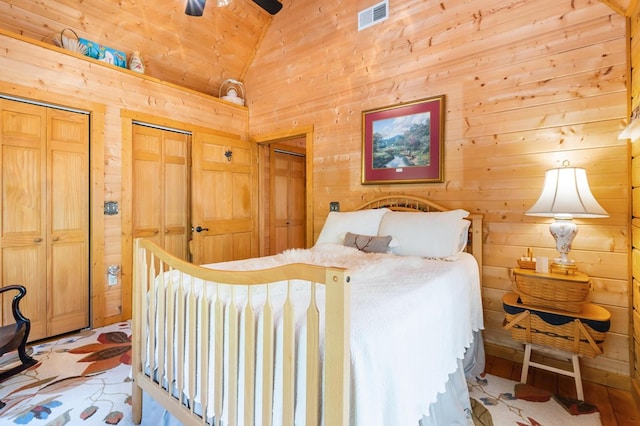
{"points": [[33, 71], [96, 221], [471, 48], [526, 86], [634, 184], [634, 54]]}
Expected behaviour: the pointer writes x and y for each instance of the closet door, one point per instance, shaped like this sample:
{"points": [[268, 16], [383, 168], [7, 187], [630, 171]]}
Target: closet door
{"points": [[161, 188], [288, 200], [68, 221], [23, 133], [45, 217]]}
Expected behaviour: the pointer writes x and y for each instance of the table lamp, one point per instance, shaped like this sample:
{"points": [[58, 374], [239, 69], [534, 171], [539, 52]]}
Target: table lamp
{"points": [[565, 195]]}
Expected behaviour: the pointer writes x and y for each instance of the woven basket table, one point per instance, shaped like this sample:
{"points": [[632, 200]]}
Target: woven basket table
{"points": [[579, 333], [555, 291]]}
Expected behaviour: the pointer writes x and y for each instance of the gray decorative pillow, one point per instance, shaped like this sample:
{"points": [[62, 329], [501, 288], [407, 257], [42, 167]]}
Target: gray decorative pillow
{"points": [[367, 243]]}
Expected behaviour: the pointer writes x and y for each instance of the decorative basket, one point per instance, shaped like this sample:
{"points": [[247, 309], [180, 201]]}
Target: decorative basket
{"points": [[71, 43], [547, 292], [527, 264], [583, 335]]}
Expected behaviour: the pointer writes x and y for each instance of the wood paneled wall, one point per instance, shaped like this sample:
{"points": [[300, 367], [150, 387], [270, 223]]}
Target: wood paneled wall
{"points": [[634, 105], [33, 70], [528, 84]]}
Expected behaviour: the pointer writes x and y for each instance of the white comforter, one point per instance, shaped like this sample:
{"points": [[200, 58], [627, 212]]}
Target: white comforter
{"points": [[411, 320]]}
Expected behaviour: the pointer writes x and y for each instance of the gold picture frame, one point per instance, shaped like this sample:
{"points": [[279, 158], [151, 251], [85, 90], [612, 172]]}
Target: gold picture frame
{"points": [[404, 143]]}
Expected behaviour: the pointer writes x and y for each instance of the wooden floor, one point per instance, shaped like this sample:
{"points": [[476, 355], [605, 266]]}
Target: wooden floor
{"points": [[617, 407]]}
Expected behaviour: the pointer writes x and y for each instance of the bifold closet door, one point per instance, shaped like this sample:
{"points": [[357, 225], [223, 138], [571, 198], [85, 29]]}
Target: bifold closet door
{"points": [[67, 221], [45, 217], [161, 188]]}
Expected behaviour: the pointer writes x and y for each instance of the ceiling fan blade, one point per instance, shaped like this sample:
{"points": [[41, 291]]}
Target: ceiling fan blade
{"points": [[271, 6], [195, 7]]}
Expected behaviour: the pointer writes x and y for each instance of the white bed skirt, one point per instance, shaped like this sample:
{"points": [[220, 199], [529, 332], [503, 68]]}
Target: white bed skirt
{"points": [[451, 408], [454, 407]]}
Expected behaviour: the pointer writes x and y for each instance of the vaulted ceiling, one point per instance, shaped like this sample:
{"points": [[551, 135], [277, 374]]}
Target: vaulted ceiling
{"points": [[623, 7], [194, 52]]}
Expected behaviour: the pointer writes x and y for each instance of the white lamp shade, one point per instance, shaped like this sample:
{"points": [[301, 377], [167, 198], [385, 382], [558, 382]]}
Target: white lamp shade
{"points": [[566, 194]]}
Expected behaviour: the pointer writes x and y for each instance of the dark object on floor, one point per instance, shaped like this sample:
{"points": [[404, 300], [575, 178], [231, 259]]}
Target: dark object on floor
{"points": [[574, 406], [532, 394], [14, 336]]}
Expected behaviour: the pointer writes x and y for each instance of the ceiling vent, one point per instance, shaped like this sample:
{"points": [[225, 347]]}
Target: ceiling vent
{"points": [[373, 15]]}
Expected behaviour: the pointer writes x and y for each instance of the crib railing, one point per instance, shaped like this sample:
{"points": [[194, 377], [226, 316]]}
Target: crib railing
{"points": [[226, 347]]}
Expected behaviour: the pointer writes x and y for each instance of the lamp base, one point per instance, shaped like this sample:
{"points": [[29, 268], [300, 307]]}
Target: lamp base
{"points": [[563, 268], [564, 231]]}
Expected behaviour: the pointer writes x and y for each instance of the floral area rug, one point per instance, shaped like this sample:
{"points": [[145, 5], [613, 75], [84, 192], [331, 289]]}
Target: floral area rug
{"points": [[82, 379], [498, 401]]}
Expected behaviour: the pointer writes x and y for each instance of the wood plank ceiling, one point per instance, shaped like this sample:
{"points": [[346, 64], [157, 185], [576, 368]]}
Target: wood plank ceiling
{"points": [[198, 53], [623, 7]]}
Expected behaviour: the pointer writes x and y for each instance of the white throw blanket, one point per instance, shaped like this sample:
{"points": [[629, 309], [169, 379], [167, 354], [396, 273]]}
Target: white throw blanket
{"points": [[411, 320]]}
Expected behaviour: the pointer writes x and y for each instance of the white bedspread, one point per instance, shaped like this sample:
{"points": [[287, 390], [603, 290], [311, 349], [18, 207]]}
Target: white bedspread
{"points": [[411, 320]]}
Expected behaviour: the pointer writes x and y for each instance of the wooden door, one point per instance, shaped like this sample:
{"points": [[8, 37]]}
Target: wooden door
{"points": [[224, 187], [45, 217], [24, 211], [288, 184], [161, 188], [68, 221]]}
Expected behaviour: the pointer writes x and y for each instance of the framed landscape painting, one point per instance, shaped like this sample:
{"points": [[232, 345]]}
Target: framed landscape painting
{"points": [[403, 143]]}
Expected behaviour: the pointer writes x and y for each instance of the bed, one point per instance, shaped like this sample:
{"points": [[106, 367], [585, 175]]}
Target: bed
{"points": [[378, 323]]}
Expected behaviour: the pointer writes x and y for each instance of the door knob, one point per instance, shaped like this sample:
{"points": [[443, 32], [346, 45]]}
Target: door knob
{"points": [[199, 229]]}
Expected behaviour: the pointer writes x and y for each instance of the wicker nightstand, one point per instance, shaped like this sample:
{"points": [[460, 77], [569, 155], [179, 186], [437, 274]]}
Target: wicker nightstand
{"points": [[576, 333], [549, 290]]}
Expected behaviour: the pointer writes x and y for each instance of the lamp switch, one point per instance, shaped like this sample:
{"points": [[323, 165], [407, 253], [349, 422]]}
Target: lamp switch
{"points": [[334, 206]]}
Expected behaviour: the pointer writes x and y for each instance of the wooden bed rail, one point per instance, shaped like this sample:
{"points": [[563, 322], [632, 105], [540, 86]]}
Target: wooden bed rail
{"points": [[200, 308]]}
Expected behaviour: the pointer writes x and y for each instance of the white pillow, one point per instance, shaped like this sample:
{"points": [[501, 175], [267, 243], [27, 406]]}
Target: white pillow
{"points": [[364, 222], [433, 234]]}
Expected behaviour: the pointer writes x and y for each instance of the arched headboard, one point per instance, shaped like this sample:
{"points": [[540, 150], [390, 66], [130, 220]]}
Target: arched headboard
{"points": [[413, 203]]}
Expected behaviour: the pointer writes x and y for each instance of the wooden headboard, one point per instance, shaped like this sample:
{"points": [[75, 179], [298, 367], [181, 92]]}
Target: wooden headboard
{"points": [[412, 203]]}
